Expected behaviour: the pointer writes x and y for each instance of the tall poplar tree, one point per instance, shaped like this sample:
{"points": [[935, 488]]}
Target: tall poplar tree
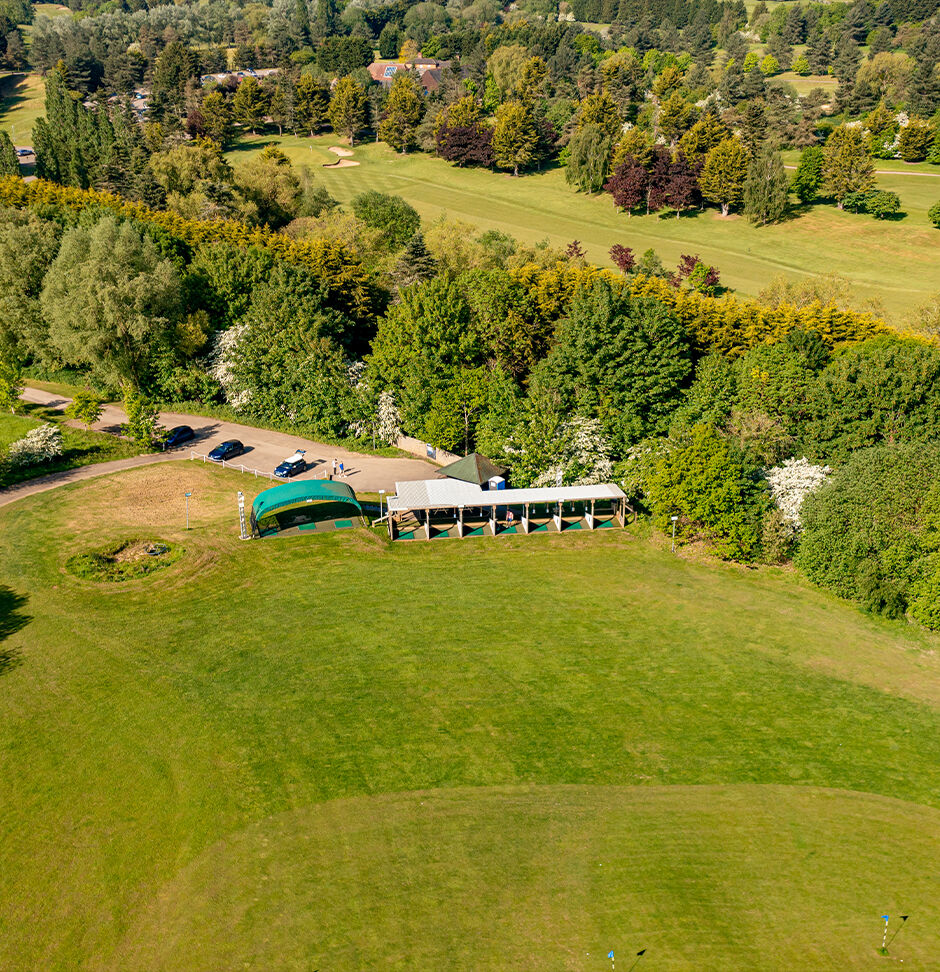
{"points": [[766, 188]]}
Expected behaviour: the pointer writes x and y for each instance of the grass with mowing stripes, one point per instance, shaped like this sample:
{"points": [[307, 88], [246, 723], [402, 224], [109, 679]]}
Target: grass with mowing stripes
{"points": [[896, 261], [554, 877], [200, 768]]}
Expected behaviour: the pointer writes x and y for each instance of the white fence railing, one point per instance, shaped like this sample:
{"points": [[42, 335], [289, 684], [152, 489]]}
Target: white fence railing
{"points": [[240, 467]]}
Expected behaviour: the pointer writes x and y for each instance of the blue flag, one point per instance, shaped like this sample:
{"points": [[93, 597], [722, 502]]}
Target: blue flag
{"points": [[610, 954], [885, 917]]}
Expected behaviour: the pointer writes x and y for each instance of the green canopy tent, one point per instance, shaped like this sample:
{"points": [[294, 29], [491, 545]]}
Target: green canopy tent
{"points": [[301, 505]]}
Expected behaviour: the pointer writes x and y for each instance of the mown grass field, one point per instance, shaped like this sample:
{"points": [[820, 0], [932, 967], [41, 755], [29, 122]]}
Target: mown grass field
{"points": [[22, 101], [896, 261], [334, 753]]}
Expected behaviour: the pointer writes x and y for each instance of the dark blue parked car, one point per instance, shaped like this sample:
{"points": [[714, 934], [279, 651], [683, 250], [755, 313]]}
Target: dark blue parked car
{"points": [[227, 450], [291, 465], [177, 436]]}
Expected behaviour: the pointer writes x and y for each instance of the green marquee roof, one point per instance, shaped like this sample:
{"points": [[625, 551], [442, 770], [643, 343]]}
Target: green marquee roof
{"points": [[296, 494], [473, 469]]}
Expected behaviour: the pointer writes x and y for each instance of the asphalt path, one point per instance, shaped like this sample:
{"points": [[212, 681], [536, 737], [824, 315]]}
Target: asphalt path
{"points": [[263, 451]]}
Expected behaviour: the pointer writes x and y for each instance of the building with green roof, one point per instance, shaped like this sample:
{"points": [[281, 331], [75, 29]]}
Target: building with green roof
{"points": [[473, 469], [304, 505]]}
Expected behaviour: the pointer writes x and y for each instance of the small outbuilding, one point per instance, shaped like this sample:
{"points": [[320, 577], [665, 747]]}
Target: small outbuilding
{"points": [[305, 505], [474, 469]]}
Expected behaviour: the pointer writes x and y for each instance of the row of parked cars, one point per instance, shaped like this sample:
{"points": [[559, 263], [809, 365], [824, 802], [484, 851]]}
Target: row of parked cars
{"points": [[231, 448]]}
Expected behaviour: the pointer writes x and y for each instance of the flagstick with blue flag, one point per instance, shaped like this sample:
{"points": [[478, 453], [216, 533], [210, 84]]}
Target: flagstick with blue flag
{"points": [[610, 955], [884, 937], [896, 930]]}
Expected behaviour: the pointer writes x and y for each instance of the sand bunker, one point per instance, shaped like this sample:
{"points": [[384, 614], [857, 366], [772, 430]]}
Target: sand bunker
{"points": [[343, 162]]}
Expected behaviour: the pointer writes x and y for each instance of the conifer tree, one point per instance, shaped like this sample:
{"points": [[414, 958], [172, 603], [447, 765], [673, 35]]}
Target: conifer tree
{"points": [[279, 108], [9, 164], [416, 263], [311, 104], [348, 108], [404, 110], [248, 105], [217, 118]]}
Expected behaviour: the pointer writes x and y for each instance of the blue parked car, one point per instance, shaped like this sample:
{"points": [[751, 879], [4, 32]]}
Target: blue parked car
{"points": [[177, 436], [292, 465], [227, 450]]}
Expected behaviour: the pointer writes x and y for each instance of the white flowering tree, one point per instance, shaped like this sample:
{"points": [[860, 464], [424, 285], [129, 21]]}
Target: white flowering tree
{"points": [[380, 420], [791, 483], [222, 361], [582, 454], [37, 446], [388, 427]]}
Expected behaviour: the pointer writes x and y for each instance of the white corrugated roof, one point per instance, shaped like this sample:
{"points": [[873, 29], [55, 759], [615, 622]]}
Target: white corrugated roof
{"points": [[430, 494]]}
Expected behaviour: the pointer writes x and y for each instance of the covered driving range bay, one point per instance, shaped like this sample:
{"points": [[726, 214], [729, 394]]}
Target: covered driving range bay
{"points": [[303, 507]]}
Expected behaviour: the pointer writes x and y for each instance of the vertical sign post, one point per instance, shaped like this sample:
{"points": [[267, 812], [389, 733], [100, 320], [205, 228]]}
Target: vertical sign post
{"points": [[187, 508], [241, 515]]}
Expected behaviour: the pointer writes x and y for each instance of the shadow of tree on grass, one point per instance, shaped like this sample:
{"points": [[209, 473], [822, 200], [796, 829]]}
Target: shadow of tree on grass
{"points": [[12, 620]]}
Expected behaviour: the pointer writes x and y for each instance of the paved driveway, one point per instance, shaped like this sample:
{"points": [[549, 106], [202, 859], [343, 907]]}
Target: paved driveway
{"points": [[263, 451]]}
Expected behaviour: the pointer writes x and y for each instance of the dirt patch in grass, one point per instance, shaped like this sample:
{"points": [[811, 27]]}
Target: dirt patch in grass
{"points": [[124, 560]]}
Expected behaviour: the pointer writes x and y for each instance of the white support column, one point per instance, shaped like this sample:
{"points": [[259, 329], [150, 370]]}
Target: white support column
{"points": [[391, 527], [427, 523], [621, 513], [460, 524], [558, 518], [525, 518], [590, 516], [493, 519]]}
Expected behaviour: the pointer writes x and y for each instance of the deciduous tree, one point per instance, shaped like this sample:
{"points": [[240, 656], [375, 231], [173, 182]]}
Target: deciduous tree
{"points": [[766, 188], [515, 136], [808, 177], [722, 178], [110, 299], [847, 166], [86, 407], [588, 158]]}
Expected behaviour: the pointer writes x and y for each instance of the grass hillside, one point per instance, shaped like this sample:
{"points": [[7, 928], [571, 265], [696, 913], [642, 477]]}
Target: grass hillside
{"points": [[22, 101], [895, 261], [337, 753]]}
